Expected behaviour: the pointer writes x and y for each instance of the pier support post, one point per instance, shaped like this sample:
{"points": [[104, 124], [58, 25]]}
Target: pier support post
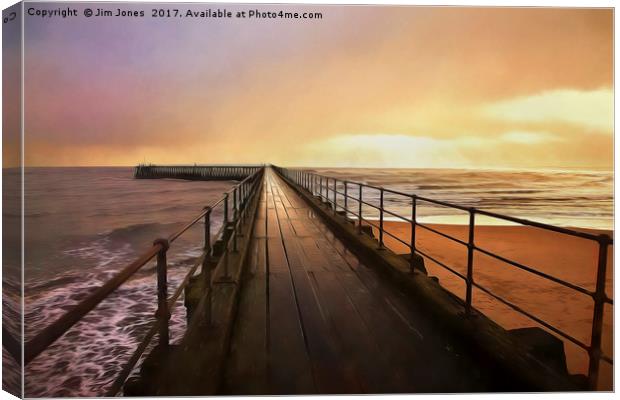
{"points": [[162, 314]]}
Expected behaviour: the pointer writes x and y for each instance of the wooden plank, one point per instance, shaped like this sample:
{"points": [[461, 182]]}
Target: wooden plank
{"points": [[331, 371], [359, 348], [289, 366], [302, 228], [273, 229]]}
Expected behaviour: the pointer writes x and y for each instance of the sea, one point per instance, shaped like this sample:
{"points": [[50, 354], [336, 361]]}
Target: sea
{"points": [[582, 199], [82, 225]]}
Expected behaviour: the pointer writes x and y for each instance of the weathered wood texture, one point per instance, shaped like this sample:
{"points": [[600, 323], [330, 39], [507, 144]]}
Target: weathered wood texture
{"points": [[312, 318]]}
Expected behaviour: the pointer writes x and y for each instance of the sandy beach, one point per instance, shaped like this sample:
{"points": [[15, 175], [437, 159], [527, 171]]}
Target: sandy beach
{"points": [[569, 258]]}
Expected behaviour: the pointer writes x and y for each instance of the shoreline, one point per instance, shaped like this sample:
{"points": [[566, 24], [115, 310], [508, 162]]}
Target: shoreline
{"points": [[569, 258]]}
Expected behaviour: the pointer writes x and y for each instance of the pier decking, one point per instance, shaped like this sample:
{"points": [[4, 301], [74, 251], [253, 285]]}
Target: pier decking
{"points": [[313, 318]]}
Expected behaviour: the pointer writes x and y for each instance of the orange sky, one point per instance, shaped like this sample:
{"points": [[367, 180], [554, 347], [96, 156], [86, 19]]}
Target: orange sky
{"points": [[364, 86]]}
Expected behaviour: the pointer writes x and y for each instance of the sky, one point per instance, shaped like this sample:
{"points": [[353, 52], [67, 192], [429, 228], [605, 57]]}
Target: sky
{"points": [[364, 86]]}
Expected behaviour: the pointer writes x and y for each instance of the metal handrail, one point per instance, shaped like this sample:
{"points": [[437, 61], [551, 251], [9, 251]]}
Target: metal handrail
{"points": [[326, 188], [206, 272], [241, 193]]}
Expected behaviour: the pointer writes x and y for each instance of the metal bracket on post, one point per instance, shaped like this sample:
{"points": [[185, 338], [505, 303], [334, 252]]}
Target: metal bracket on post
{"points": [[162, 314]]}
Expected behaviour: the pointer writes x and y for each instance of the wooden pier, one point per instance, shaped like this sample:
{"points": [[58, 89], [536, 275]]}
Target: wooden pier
{"points": [[314, 315], [294, 295], [314, 318]]}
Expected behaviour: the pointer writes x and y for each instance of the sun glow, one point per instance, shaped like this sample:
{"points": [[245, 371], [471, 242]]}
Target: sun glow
{"points": [[383, 150]]}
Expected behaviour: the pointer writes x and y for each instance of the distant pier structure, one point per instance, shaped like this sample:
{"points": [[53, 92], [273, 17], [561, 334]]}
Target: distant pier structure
{"points": [[296, 292], [195, 172]]}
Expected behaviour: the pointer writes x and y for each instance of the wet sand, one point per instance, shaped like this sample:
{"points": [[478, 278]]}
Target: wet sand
{"points": [[571, 259]]}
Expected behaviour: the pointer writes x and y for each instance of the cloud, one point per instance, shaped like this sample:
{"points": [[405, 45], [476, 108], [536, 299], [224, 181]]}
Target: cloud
{"points": [[383, 150], [590, 109], [511, 148], [524, 137], [270, 92]]}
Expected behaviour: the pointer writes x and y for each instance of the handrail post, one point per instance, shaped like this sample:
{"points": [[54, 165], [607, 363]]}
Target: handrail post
{"points": [[470, 262], [335, 196], [327, 190], [162, 314], [359, 215], [207, 246], [243, 194], [346, 209], [594, 351], [225, 209], [381, 218], [235, 205], [414, 201]]}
